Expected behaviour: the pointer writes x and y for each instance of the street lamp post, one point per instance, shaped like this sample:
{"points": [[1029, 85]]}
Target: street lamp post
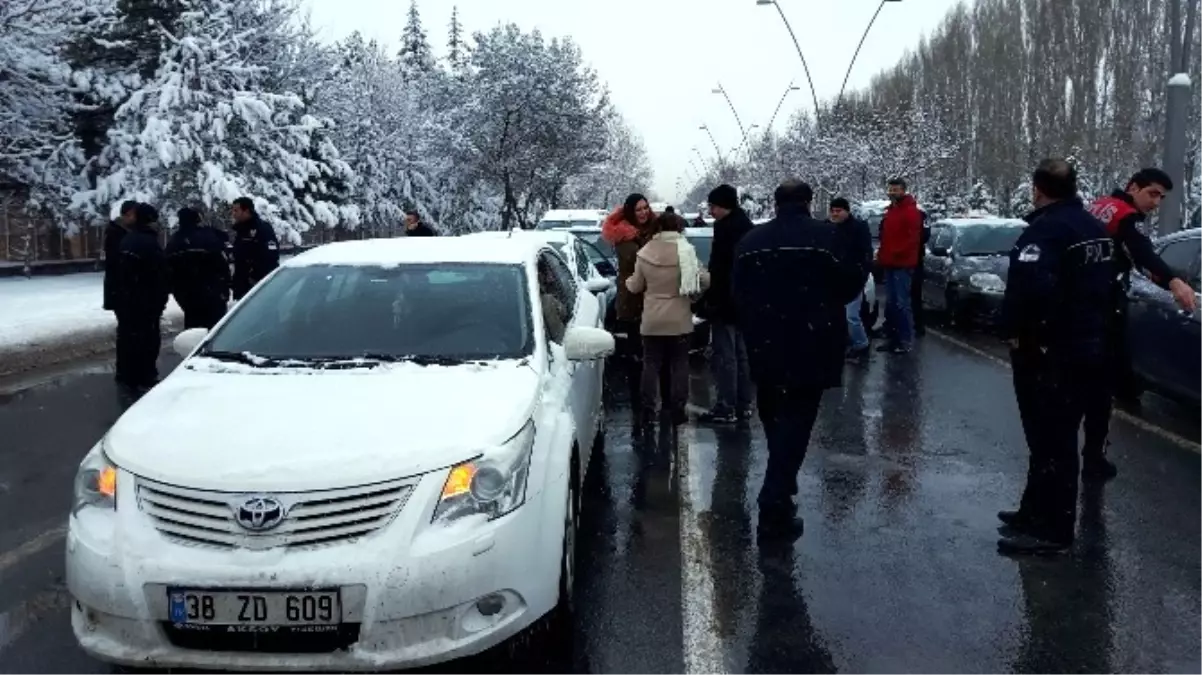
{"points": [[1177, 111], [722, 90], [797, 45], [717, 150], [745, 144], [792, 88], [857, 52]]}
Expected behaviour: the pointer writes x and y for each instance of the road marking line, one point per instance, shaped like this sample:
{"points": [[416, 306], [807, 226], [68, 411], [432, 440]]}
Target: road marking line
{"points": [[1127, 417], [702, 644], [33, 546]]}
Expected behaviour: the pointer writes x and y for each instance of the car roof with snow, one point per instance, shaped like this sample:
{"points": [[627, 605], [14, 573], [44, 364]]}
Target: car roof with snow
{"points": [[411, 250], [560, 235], [965, 221], [573, 214], [698, 231]]}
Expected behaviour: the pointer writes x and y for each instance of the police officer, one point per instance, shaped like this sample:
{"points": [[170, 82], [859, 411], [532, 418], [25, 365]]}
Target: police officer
{"points": [[1055, 314], [141, 298], [1120, 213], [256, 249], [200, 275], [113, 234], [791, 281]]}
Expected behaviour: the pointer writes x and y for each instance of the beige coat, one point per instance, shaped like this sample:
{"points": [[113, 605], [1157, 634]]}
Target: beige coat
{"points": [[657, 277]]}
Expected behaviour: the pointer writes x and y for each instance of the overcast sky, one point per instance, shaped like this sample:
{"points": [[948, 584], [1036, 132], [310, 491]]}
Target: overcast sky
{"points": [[662, 58]]}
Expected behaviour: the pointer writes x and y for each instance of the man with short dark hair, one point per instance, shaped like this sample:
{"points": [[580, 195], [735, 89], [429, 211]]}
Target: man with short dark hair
{"points": [[859, 248], [1120, 213], [113, 234], [1055, 315], [728, 363], [141, 297], [791, 281], [256, 249], [414, 227], [901, 238]]}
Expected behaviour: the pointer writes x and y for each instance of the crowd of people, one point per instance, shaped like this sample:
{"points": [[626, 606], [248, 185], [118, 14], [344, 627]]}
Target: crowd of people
{"points": [[783, 299]]}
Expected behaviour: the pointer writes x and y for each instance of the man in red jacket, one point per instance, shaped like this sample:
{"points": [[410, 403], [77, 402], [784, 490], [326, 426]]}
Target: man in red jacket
{"points": [[901, 237]]}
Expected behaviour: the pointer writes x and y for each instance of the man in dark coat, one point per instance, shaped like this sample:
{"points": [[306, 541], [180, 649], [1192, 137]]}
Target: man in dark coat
{"points": [[200, 275], [113, 234], [256, 249], [141, 297], [414, 227], [791, 281], [728, 364], [858, 245]]}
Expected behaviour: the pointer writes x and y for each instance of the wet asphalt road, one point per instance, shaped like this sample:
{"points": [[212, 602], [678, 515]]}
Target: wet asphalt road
{"points": [[896, 571]]}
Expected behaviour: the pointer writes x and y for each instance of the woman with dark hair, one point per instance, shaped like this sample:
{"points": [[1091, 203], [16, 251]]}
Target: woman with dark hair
{"points": [[626, 230], [669, 276]]}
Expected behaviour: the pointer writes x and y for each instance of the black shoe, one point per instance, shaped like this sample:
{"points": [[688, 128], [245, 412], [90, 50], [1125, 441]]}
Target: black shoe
{"points": [[712, 417], [1097, 467], [1011, 518], [1026, 544], [780, 523], [893, 349], [857, 354]]}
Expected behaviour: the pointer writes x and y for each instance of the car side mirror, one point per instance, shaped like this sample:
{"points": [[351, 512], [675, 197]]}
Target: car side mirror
{"points": [[585, 343], [598, 285], [940, 251], [605, 268], [186, 342]]}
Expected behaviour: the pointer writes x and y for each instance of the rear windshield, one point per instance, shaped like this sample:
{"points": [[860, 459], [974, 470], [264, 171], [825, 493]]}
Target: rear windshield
{"points": [[447, 310]]}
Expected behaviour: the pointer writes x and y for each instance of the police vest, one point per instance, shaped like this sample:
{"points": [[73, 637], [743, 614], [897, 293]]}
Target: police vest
{"points": [[1111, 211]]}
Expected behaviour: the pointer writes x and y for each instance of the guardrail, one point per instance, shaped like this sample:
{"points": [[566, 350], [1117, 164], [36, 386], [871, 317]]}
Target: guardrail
{"points": [[42, 268]]}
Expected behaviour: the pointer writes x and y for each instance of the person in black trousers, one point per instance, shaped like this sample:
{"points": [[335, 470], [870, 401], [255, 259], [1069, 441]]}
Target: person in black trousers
{"points": [[142, 291], [1055, 314], [200, 274], [791, 282]]}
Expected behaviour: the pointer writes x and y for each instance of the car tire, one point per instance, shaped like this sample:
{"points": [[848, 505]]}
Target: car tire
{"points": [[547, 646]]}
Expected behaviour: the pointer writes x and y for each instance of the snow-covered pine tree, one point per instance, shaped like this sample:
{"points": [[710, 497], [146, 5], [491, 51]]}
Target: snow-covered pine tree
{"points": [[457, 55], [415, 56], [981, 198], [204, 130]]}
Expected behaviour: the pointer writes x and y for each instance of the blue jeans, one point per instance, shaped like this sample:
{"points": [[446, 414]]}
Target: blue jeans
{"points": [[855, 325], [728, 364], [898, 306]]}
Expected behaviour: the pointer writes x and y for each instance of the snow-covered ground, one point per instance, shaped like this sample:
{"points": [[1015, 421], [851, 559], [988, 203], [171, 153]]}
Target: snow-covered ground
{"points": [[46, 314]]}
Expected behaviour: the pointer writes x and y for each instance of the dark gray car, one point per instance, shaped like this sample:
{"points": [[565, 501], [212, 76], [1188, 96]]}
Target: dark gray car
{"points": [[966, 267], [1166, 342]]}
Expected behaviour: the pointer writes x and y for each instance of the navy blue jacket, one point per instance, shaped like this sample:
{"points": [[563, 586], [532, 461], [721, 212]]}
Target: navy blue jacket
{"points": [[1059, 297], [200, 273], [256, 254], [728, 232], [113, 234], [142, 279], [792, 278], [857, 245]]}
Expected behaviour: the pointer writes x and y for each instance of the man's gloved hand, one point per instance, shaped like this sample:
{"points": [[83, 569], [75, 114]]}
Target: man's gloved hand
{"points": [[1183, 295]]}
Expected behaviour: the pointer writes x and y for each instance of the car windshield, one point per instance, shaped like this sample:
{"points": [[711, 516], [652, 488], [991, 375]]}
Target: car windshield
{"points": [[874, 225], [987, 239], [565, 224], [703, 246], [595, 239], [432, 312]]}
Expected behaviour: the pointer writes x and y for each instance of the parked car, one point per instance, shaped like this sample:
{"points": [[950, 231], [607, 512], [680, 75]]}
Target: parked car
{"points": [[966, 267], [604, 260], [557, 219], [373, 462], [1166, 342]]}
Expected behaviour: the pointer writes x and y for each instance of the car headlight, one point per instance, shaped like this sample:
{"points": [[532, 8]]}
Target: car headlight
{"points": [[95, 482], [492, 484], [987, 281]]}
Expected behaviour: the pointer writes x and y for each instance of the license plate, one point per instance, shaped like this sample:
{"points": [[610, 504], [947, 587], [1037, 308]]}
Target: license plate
{"points": [[254, 608]]}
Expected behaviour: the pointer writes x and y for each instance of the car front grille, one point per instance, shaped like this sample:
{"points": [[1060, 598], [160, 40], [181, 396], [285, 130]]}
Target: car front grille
{"points": [[319, 518]]}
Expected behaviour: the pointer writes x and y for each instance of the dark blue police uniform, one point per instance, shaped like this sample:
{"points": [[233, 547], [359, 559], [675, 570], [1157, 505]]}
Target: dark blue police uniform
{"points": [[200, 274], [256, 254], [1056, 312]]}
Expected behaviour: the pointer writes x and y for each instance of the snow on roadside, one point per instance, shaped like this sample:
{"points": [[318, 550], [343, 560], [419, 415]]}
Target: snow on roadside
{"points": [[43, 311]]}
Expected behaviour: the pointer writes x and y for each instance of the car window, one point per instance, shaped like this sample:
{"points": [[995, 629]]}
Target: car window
{"points": [[703, 246], [467, 311], [584, 267], [562, 281], [987, 239], [1183, 256], [942, 237], [594, 253]]}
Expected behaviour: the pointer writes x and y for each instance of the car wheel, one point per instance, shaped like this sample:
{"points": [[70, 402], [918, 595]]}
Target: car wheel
{"points": [[546, 647]]}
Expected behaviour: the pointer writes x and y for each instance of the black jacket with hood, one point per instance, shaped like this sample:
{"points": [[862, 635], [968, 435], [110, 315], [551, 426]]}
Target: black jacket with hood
{"points": [[718, 303]]}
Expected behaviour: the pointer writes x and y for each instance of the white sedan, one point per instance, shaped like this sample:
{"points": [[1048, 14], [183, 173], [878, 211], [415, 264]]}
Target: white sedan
{"points": [[374, 462]]}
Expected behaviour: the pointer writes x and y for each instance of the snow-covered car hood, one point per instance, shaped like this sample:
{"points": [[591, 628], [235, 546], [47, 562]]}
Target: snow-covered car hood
{"points": [[235, 428], [966, 266]]}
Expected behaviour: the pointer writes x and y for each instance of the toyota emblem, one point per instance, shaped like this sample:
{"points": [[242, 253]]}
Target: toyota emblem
{"points": [[259, 513]]}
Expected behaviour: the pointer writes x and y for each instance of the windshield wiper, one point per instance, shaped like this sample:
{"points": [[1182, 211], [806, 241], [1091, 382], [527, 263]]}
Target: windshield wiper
{"points": [[419, 359], [245, 358]]}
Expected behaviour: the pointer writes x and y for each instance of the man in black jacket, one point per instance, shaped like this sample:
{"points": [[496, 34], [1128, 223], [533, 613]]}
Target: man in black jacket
{"points": [[791, 281], [256, 249], [1057, 307], [858, 244], [728, 363], [200, 275], [414, 227], [113, 234], [141, 297]]}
